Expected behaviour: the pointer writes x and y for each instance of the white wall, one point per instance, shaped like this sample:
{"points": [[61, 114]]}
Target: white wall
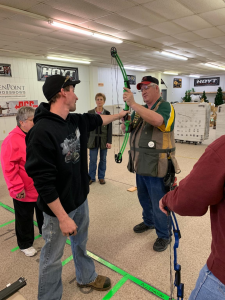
{"points": [[24, 72]]}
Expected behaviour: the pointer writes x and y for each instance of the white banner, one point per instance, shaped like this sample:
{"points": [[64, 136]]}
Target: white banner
{"points": [[10, 108], [12, 90]]}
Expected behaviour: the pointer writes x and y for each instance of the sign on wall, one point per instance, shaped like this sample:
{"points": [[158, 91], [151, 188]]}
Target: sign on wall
{"points": [[10, 108], [11, 90], [207, 81], [177, 82], [44, 71], [5, 70], [132, 79]]}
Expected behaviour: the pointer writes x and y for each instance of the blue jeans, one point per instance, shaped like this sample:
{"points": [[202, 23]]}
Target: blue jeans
{"points": [[150, 191], [50, 270], [93, 163], [208, 287]]}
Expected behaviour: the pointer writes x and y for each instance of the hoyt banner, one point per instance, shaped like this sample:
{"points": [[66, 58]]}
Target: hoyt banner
{"points": [[44, 71]]}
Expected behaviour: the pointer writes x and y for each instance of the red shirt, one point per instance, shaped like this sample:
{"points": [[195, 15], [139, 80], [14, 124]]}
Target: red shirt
{"points": [[204, 188]]}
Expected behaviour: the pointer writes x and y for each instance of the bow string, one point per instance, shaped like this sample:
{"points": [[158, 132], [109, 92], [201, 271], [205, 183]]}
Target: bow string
{"points": [[118, 157]]}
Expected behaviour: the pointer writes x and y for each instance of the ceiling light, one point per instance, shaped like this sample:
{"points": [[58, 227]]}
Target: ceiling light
{"points": [[86, 32], [214, 66], [173, 55], [195, 76], [170, 73], [135, 69], [70, 60], [71, 28], [107, 38]]}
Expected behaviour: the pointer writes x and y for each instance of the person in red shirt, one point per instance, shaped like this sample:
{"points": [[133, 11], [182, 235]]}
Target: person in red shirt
{"points": [[204, 188]]}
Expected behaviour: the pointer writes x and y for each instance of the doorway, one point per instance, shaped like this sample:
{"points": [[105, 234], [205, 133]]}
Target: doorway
{"points": [[164, 94]]}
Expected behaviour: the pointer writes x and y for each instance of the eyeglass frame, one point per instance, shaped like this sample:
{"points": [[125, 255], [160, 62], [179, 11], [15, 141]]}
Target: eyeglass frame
{"points": [[146, 87]]}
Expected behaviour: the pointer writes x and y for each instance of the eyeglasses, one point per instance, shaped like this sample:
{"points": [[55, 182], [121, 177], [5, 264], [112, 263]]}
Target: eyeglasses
{"points": [[146, 87], [67, 78]]}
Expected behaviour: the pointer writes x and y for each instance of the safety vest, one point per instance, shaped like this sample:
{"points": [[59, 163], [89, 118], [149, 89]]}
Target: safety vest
{"points": [[150, 149]]}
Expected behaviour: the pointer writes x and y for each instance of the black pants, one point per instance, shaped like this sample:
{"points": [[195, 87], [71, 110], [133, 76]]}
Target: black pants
{"points": [[24, 226]]}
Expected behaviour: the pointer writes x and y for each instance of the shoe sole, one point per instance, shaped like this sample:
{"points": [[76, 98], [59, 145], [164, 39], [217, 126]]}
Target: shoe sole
{"points": [[143, 230], [94, 288]]}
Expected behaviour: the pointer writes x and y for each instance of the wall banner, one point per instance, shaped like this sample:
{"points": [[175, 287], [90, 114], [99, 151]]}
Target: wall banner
{"points": [[10, 108], [44, 71], [5, 70], [207, 81], [132, 79], [11, 90]]}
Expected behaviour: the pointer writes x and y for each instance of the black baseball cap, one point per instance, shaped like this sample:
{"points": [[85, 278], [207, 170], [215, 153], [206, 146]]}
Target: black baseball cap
{"points": [[147, 80], [54, 83]]}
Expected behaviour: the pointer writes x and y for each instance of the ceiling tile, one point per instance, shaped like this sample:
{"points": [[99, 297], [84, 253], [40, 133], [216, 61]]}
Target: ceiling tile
{"points": [[167, 40], [222, 28], [117, 22], [147, 32], [209, 32], [12, 32], [115, 5], [99, 27], [168, 28], [22, 4], [50, 12], [202, 43], [141, 15], [219, 40], [199, 6], [78, 8], [143, 1], [187, 36], [192, 23], [215, 17], [170, 9]]}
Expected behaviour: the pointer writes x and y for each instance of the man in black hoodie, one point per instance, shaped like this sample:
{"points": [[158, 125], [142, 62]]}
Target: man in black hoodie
{"points": [[57, 163]]}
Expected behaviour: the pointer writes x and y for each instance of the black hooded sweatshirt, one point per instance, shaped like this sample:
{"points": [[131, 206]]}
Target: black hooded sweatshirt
{"points": [[57, 157]]}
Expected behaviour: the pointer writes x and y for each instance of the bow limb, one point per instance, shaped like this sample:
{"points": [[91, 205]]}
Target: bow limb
{"points": [[118, 157]]}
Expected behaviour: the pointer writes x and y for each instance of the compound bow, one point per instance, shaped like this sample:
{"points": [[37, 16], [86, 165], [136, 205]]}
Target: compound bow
{"points": [[118, 157]]}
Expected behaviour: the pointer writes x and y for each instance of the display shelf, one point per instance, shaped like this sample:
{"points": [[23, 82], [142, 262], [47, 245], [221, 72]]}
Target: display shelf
{"points": [[196, 93]]}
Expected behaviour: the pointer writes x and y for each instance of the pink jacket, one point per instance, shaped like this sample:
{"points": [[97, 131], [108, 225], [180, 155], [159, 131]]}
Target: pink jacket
{"points": [[13, 158]]}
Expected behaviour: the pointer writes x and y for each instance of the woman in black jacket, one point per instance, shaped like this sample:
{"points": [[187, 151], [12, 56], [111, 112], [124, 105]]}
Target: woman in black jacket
{"points": [[99, 139]]}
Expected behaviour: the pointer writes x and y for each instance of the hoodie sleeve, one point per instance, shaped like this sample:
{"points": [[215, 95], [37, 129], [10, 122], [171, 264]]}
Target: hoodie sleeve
{"points": [[203, 187], [10, 159], [41, 165], [92, 121]]}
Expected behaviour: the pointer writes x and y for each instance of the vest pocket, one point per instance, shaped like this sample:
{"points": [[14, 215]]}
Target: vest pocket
{"points": [[130, 165], [148, 164]]}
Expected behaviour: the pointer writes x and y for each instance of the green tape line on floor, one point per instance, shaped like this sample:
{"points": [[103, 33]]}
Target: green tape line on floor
{"points": [[7, 223], [112, 292], [7, 207], [109, 265], [16, 248]]}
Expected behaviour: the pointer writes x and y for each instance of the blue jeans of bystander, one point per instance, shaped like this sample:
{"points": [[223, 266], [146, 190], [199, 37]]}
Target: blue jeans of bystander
{"points": [[208, 287], [93, 163]]}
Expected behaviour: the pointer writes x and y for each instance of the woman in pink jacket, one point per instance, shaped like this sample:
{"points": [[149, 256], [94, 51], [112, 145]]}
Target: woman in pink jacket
{"points": [[20, 185]]}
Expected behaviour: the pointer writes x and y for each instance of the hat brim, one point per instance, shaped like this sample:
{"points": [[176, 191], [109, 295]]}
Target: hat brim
{"points": [[140, 84], [71, 82]]}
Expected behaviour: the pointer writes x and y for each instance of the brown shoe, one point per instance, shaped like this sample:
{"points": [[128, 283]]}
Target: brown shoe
{"points": [[101, 283], [90, 182], [102, 181]]}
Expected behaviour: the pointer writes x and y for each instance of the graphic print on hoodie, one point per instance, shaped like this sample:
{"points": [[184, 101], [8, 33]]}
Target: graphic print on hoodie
{"points": [[71, 147]]}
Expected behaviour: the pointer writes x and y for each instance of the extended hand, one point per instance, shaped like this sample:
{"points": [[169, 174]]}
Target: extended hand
{"points": [[21, 195], [123, 113], [68, 227], [128, 97]]}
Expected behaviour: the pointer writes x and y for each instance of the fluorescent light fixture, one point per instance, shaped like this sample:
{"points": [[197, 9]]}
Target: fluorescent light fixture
{"points": [[135, 69], [69, 60], [86, 32], [170, 73], [195, 76], [214, 66], [173, 55], [107, 38]]}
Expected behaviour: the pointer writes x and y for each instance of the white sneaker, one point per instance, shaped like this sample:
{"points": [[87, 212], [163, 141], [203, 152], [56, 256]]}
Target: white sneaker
{"points": [[29, 251]]}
